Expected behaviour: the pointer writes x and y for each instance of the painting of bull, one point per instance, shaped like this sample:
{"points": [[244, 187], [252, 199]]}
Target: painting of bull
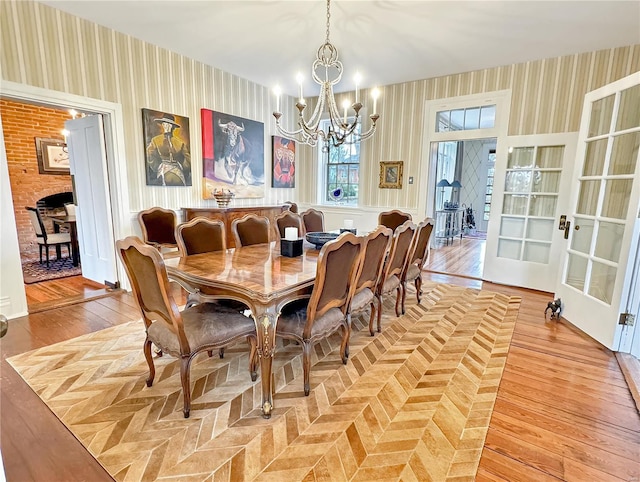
{"points": [[233, 154]]}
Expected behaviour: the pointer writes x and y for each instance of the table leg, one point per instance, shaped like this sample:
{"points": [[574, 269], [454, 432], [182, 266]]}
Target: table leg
{"points": [[75, 251], [265, 318]]}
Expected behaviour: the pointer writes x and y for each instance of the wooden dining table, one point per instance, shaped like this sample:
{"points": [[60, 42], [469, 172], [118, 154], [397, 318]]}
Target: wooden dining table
{"points": [[258, 276], [73, 234]]}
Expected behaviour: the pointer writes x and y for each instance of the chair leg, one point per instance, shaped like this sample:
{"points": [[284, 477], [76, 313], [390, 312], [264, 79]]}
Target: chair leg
{"points": [[418, 283], [404, 296], [306, 366], [185, 364], [398, 297], [379, 313], [47, 248], [147, 354], [371, 317], [253, 357], [221, 352], [344, 346], [58, 251]]}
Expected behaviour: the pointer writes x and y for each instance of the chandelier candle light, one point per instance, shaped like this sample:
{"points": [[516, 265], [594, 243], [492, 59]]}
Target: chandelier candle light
{"points": [[326, 72]]}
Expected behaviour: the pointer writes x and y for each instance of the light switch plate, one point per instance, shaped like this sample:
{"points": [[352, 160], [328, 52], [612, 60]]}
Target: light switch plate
{"points": [[410, 179]]}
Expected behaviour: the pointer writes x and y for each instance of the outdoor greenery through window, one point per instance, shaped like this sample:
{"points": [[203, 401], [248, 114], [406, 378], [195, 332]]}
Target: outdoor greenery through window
{"points": [[342, 168]]}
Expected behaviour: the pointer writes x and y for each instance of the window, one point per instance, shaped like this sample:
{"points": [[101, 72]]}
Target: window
{"points": [[341, 169], [466, 119], [491, 170]]}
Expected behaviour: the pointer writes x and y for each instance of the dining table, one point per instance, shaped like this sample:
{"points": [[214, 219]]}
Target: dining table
{"points": [[70, 220], [258, 276]]}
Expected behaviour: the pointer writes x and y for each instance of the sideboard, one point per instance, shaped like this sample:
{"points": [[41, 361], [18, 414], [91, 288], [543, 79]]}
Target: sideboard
{"points": [[227, 215]]}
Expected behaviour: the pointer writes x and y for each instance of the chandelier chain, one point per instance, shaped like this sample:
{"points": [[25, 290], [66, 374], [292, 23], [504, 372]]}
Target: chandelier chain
{"points": [[328, 20]]}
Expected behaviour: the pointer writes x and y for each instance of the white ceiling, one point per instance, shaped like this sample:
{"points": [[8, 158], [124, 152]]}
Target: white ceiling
{"points": [[387, 42]]}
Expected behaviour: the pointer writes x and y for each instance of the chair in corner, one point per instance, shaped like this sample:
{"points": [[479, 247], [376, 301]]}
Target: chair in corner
{"points": [[182, 334], [417, 257], [394, 267], [289, 219], [376, 247], [327, 310], [158, 228], [44, 239], [393, 219], [70, 209], [251, 229], [313, 221]]}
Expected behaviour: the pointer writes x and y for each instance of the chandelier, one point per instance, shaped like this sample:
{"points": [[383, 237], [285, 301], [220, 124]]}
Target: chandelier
{"points": [[327, 71]]}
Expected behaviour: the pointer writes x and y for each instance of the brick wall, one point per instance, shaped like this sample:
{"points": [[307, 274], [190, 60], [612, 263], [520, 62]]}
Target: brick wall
{"points": [[22, 123]]}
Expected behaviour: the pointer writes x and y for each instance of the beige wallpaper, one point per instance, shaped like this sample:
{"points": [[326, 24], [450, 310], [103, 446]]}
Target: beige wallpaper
{"points": [[44, 47]]}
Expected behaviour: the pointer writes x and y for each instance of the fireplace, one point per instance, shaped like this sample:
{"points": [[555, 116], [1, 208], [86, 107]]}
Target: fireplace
{"points": [[53, 205]]}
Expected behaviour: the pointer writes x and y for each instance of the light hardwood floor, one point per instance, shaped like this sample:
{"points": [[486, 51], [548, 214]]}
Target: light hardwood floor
{"points": [[563, 411], [462, 257]]}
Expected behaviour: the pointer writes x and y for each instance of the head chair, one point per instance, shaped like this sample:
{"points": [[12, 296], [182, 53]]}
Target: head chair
{"points": [[200, 235], [70, 209], [288, 219], [44, 239], [393, 219], [183, 335], [313, 221], [417, 258], [394, 267], [327, 309], [375, 248], [158, 227], [251, 229]]}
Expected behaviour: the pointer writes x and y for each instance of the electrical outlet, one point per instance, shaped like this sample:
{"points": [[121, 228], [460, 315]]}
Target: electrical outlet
{"points": [[410, 179]]}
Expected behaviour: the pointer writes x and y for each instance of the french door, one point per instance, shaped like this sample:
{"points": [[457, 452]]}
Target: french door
{"points": [[597, 279]]}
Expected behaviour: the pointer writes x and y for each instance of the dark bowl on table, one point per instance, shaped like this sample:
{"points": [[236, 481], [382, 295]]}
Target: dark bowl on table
{"points": [[318, 239]]}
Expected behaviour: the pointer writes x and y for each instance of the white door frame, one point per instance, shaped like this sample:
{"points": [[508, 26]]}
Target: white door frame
{"points": [[502, 100], [114, 140]]}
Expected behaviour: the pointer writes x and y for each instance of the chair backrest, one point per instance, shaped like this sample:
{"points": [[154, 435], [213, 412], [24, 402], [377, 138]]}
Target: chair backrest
{"points": [[288, 219], [36, 222], [338, 267], [70, 209], [150, 285], [393, 219], [293, 207], [158, 227], [376, 247], [251, 229], [313, 220], [420, 248], [201, 235], [400, 246]]}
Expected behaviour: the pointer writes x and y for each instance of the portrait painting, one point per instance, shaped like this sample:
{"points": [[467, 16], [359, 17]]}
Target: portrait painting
{"points": [[391, 174], [167, 148], [53, 156], [232, 155], [284, 162]]}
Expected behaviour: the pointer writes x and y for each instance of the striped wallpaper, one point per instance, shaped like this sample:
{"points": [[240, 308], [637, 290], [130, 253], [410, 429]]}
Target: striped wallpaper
{"points": [[47, 48]]}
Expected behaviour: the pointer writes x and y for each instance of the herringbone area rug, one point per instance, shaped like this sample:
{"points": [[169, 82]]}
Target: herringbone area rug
{"points": [[413, 403]]}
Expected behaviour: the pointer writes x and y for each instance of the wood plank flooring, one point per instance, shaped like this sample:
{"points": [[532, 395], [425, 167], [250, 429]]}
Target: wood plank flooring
{"points": [[63, 292], [463, 257]]}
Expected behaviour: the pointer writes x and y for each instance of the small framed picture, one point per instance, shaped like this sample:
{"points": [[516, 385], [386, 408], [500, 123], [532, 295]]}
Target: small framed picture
{"points": [[391, 174], [53, 156]]}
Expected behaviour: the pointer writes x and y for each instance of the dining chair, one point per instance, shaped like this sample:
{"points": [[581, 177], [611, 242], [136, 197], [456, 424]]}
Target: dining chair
{"points": [[418, 255], [375, 248], [293, 207], [313, 221], [289, 219], [394, 218], [394, 266], [417, 258], [70, 209], [158, 227], [182, 334], [200, 235], [251, 229], [44, 239], [309, 321]]}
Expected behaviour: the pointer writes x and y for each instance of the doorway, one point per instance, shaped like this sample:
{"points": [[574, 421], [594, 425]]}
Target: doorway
{"points": [[117, 181]]}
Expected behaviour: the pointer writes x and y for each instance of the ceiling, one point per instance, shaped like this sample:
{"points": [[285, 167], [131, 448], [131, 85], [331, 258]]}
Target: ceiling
{"points": [[269, 42]]}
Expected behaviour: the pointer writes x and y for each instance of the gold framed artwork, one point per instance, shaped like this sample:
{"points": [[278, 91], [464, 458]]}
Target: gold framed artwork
{"points": [[391, 174]]}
